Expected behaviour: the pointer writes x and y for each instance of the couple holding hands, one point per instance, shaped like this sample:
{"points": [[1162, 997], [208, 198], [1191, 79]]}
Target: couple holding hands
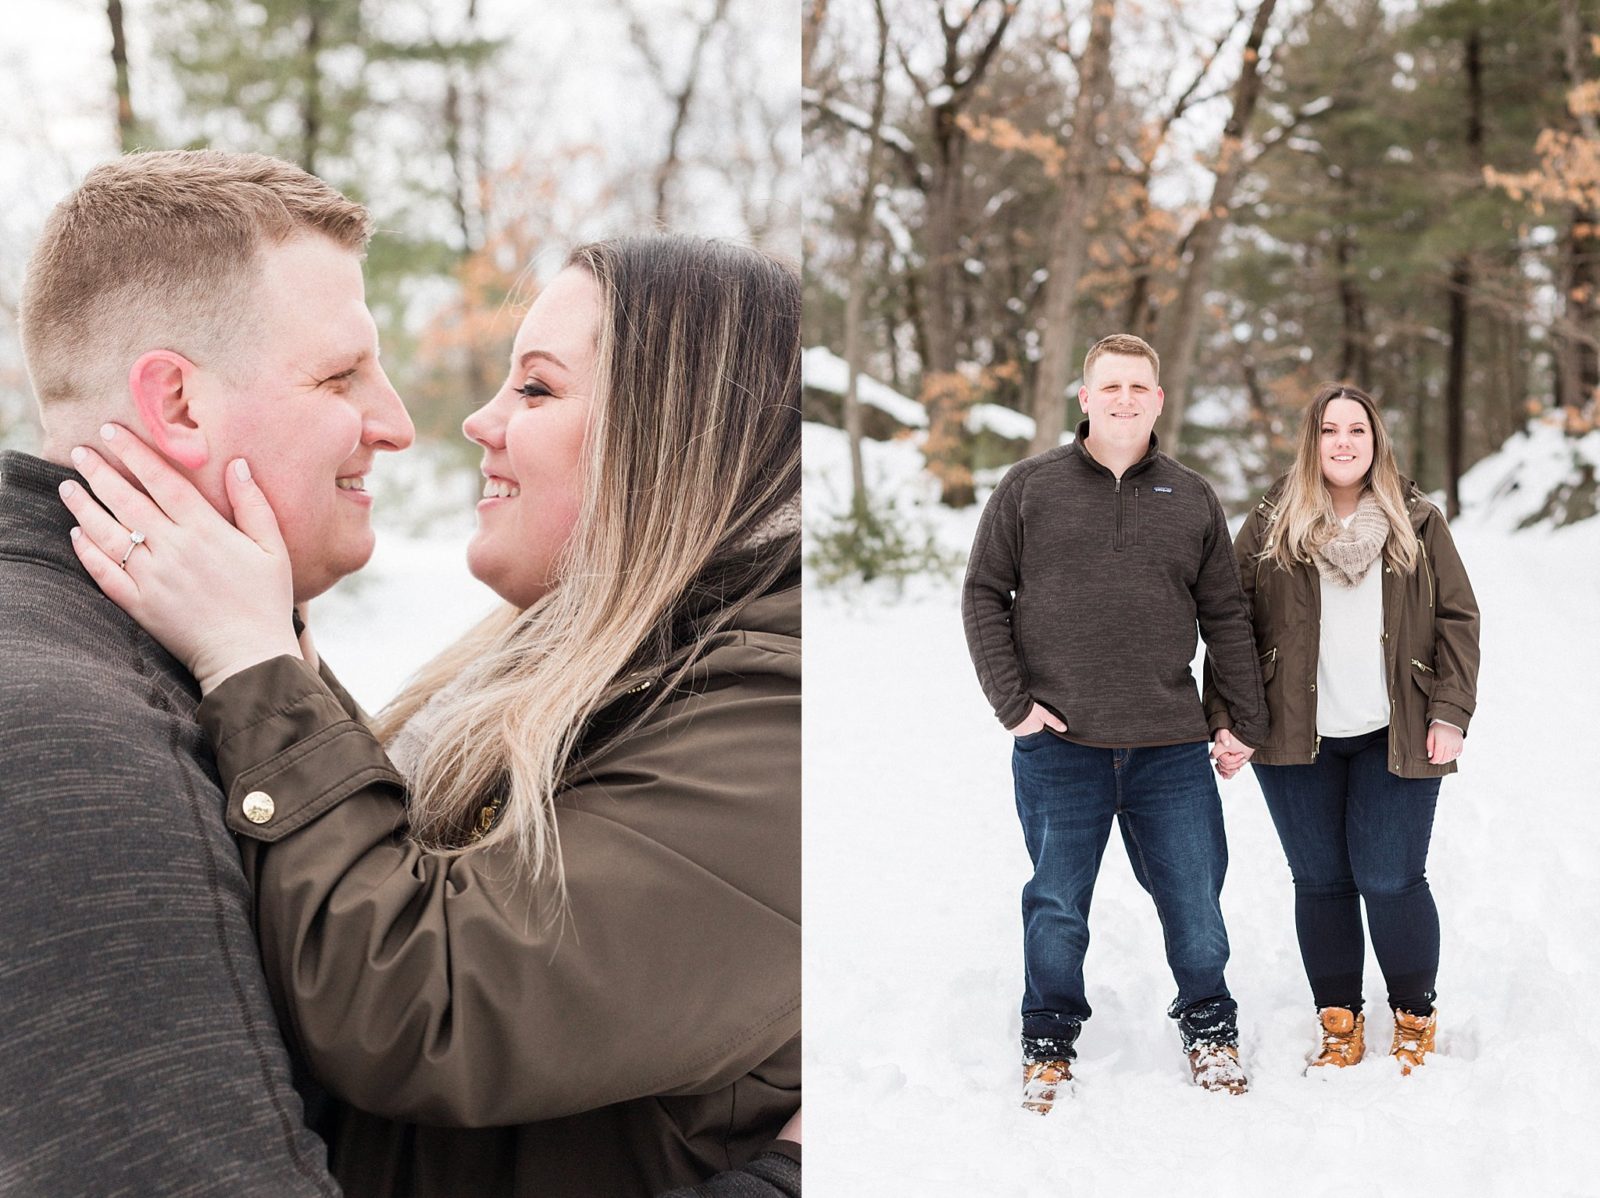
{"points": [[1342, 658]]}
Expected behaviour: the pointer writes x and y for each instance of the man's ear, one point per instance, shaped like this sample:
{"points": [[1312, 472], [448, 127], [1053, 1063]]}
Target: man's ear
{"points": [[160, 385], [1161, 400]]}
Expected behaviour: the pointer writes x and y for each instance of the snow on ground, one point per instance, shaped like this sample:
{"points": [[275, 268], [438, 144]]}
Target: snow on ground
{"points": [[914, 864], [377, 627]]}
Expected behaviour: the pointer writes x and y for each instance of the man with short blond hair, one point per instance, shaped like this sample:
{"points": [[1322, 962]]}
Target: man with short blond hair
{"points": [[157, 245], [1093, 566], [212, 303], [1122, 345]]}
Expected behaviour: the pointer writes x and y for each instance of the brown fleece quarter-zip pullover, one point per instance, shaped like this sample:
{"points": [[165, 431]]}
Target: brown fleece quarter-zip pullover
{"points": [[1084, 591]]}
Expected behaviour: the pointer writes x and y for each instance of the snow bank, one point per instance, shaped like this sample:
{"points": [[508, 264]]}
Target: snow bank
{"points": [[823, 369], [1002, 421], [1511, 488]]}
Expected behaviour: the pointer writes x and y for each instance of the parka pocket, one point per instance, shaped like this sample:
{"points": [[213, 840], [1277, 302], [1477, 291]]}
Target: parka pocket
{"points": [[1423, 676], [1269, 665]]}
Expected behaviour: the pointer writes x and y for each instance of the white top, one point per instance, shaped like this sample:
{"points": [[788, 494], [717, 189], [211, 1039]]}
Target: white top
{"points": [[1352, 691]]}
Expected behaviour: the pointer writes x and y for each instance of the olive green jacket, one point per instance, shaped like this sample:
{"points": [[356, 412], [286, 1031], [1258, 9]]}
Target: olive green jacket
{"points": [[647, 1041], [1430, 643]]}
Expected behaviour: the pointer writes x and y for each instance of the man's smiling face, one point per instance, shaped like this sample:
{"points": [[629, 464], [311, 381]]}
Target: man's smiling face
{"points": [[1121, 399], [307, 403]]}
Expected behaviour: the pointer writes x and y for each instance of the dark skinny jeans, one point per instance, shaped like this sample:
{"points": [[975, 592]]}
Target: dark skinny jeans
{"points": [[1352, 831], [1165, 801]]}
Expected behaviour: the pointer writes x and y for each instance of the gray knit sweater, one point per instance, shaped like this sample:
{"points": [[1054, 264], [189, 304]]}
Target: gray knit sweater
{"points": [[138, 1049], [1084, 592]]}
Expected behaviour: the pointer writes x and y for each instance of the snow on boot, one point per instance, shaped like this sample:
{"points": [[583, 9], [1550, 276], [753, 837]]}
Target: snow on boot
{"points": [[1040, 1080], [1216, 1067], [1343, 1038], [1413, 1038]]}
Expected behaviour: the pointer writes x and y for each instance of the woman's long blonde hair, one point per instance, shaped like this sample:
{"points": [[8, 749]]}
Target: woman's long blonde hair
{"points": [[1305, 519], [694, 442]]}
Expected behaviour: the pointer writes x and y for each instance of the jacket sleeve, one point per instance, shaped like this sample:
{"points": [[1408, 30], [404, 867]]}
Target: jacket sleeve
{"points": [[1455, 629], [353, 709], [987, 596], [445, 989], [1245, 547], [1235, 698]]}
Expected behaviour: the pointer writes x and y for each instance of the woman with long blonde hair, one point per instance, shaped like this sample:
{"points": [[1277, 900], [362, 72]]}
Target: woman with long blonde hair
{"points": [[548, 942], [1367, 631]]}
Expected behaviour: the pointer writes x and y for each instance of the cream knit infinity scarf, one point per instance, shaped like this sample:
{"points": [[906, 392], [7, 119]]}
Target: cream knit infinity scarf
{"points": [[781, 522], [1346, 558]]}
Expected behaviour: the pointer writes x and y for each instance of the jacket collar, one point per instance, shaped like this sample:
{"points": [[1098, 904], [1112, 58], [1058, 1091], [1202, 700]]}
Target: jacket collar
{"points": [[776, 612], [35, 525], [1143, 463]]}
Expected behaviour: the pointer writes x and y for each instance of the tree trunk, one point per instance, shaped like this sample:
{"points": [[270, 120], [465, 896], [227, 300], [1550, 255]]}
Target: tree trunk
{"points": [[1412, 368], [855, 295], [1353, 364], [453, 148], [681, 101], [911, 288], [815, 17], [1070, 242], [1455, 380], [311, 102], [1582, 303], [127, 137], [1578, 371], [1207, 234], [945, 393], [1136, 312], [1461, 282]]}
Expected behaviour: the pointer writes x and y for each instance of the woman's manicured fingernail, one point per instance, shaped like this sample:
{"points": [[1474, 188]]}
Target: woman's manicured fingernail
{"points": [[108, 431], [79, 455], [67, 488], [76, 532], [241, 470]]}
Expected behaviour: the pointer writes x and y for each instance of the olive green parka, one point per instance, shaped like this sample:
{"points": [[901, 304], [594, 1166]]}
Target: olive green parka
{"points": [[1429, 635], [648, 1039]]}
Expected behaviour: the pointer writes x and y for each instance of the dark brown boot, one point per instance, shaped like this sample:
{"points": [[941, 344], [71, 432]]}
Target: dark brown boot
{"points": [[1216, 1067], [1040, 1081]]}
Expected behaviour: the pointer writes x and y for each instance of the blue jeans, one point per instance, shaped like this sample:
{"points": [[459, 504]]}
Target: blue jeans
{"points": [[1352, 831], [1165, 802]]}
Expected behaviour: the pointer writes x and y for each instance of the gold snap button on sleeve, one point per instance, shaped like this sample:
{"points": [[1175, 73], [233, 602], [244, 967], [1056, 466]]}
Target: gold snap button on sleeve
{"points": [[258, 807]]}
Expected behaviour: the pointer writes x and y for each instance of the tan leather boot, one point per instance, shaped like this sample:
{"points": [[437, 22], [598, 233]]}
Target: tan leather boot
{"points": [[1040, 1081], [1344, 1038], [1216, 1067], [1413, 1038]]}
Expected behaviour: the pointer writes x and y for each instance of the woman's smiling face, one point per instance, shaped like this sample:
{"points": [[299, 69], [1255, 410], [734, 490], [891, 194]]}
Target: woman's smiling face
{"points": [[532, 433], [1346, 445]]}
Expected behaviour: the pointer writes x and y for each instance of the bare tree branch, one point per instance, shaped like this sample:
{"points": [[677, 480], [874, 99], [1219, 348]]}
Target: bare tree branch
{"points": [[681, 96]]}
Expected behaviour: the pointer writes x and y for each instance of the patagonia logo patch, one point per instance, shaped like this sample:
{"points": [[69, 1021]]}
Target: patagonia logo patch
{"points": [[1162, 490]]}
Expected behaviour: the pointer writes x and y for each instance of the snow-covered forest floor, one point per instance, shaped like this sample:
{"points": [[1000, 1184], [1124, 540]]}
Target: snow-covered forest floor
{"points": [[914, 863]]}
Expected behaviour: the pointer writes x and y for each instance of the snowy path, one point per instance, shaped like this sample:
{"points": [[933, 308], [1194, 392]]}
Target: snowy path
{"points": [[914, 862]]}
